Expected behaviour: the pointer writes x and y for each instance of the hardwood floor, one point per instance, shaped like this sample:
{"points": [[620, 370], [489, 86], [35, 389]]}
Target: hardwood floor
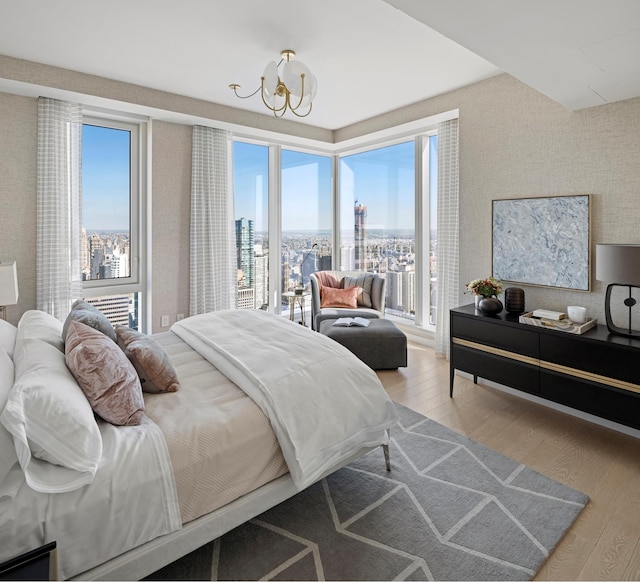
{"points": [[604, 542]]}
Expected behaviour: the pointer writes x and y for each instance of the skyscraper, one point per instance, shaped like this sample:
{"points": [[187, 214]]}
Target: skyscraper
{"points": [[114, 307], [360, 235], [244, 249], [262, 278]]}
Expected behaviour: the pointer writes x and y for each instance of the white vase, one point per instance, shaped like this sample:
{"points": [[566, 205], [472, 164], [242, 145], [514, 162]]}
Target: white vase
{"points": [[478, 298]]}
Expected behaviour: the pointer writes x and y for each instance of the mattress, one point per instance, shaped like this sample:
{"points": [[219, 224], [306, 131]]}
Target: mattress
{"points": [[221, 444]]}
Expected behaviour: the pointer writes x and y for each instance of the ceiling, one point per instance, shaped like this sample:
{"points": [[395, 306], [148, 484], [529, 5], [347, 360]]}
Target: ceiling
{"points": [[369, 56]]}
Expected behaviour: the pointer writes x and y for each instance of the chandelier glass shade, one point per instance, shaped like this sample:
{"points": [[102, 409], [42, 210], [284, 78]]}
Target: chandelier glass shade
{"points": [[286, 85]]}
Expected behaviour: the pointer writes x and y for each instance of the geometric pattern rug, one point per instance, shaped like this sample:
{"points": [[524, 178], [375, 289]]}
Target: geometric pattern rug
{"points": [[449, 509]]}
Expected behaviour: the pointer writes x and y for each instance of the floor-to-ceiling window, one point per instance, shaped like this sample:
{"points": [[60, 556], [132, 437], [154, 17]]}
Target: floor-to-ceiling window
{"points": [[430, 195], [307, 217], [386, 194], [251, 199], [378, 220]]}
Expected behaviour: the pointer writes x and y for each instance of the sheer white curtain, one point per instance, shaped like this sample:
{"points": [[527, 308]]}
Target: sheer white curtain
{"points": [[447, 254], [213, 248], [59, 206]]}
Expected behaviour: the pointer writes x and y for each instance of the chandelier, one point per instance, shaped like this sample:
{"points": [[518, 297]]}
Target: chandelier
{"points": [[289, 84]]}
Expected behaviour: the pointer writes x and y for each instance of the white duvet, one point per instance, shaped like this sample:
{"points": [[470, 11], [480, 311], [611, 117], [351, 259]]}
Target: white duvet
{"points": [[324, 404], [95, 523]]}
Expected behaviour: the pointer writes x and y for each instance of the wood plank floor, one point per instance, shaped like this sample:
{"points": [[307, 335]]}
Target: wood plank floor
{"points": [[604, 542]]}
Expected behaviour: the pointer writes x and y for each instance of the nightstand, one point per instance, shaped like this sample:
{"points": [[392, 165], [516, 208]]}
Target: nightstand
{"points": [[38, 564]]}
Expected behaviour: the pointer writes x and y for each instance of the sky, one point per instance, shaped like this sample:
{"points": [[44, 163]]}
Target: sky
{"points": [[105, 178], [381, 179]]}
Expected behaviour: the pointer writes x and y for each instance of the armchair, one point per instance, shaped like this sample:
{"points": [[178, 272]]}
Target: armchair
{"points": [[370, 302]]}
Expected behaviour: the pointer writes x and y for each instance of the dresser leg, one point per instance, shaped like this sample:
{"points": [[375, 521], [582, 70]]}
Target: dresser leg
{"points": [[452, 374], [475, 379]]}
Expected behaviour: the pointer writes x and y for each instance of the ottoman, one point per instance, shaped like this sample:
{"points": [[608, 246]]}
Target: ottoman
{"points": [[381, 345]]}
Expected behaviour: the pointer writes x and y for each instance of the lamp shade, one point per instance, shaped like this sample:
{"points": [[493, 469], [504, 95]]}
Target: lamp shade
{"points": [[8, 283], [270, 77], [292, 77], [618, 264]]}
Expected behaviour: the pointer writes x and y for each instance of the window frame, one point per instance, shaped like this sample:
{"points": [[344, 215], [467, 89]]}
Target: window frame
{"points": [[139, 243], [274, 204], [422, 193]]}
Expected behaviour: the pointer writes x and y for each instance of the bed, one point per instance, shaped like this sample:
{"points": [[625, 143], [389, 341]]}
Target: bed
{"points": [[264, 408]]}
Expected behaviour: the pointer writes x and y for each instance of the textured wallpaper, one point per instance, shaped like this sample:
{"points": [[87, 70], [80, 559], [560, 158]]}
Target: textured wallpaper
{"points": [[18, 131], [171, 208]]}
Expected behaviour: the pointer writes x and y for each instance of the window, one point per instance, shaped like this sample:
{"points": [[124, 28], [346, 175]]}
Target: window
{"points": [[430, 193], [307, 217], [111, 226], [386, 216], [378, 220], [251, 198]]}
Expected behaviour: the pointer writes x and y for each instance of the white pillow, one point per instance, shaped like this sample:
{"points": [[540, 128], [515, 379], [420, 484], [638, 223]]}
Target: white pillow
{"points": [[36, 324], [56, 436]]}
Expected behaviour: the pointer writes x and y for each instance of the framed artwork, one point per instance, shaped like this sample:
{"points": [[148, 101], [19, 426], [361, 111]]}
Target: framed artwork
{"points": [[543, 241]]}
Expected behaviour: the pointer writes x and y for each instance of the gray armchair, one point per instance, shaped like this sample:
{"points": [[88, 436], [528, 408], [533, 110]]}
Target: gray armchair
{"points": [[370, 301]]}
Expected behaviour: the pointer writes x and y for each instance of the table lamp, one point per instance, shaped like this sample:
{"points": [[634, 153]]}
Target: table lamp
{"points": [[8, 286], [619, 265]]}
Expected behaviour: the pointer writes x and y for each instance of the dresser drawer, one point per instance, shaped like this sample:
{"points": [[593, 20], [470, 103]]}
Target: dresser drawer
{"points": [[499, 369], [616, 405], [610, 361], [483, 330]]}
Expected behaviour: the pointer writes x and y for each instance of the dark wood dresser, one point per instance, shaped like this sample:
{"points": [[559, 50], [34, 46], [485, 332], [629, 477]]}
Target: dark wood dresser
{"points": [[595, 372]]}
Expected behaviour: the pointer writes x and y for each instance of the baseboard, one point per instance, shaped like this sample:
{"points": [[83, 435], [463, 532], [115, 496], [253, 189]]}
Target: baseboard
{"points": [[417, 335], [555, 406]]}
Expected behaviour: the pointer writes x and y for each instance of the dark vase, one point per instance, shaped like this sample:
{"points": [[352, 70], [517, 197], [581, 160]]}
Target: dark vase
{"points": [[490, 305], [514, 300]]}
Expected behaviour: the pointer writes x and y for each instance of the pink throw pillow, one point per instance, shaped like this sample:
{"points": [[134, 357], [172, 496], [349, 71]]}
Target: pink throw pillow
{"points": [[105, 375], [331, 297]]}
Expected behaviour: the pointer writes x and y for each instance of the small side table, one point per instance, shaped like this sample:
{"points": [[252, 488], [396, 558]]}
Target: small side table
{"points": [[38, 564], [298, 298]]}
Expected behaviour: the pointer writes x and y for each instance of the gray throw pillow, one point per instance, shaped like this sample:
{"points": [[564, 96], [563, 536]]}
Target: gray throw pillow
{"points": [[152, 363], [365, 282], [89, 315]]}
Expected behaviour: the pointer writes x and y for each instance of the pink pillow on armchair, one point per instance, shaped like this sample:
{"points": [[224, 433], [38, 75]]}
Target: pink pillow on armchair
{"points": [[330, 297]]}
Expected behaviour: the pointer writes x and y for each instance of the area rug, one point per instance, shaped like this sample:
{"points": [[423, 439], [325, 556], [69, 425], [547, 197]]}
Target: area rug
{"points": [[450, 509]]}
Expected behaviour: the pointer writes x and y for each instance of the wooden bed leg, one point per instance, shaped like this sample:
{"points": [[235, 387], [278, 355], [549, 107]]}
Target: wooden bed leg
{"points": [[387, 461]]}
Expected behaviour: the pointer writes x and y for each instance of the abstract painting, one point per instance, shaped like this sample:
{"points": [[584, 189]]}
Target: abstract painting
{"points": [[543, 241]]}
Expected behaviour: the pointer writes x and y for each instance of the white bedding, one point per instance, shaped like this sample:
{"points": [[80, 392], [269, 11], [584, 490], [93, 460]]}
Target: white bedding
{"points": [[221, 444], [91, 521], [323, 403], [94, 523]]}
